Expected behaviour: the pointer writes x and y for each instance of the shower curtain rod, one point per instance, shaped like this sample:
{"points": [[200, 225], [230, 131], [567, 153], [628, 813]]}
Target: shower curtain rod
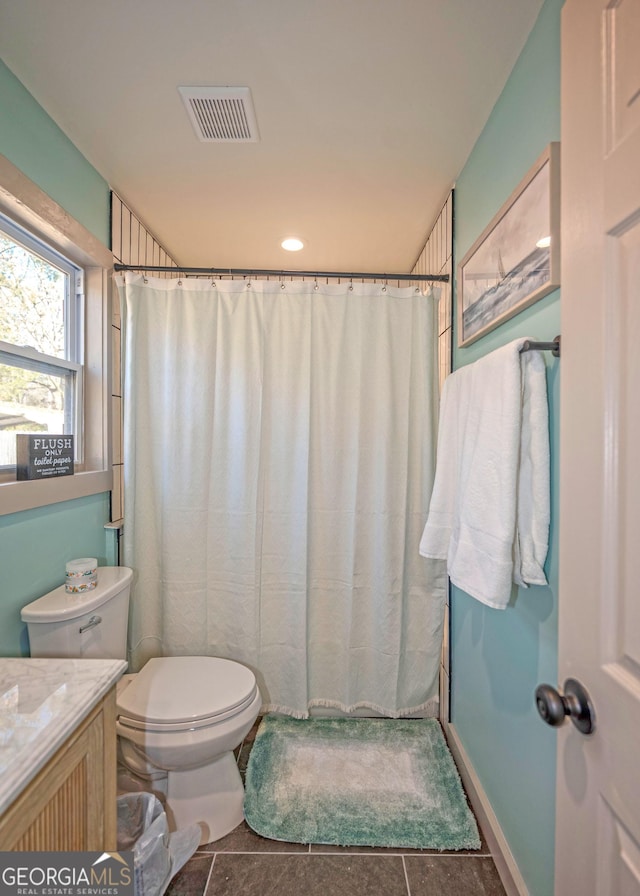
{"points": [[259, 272]]}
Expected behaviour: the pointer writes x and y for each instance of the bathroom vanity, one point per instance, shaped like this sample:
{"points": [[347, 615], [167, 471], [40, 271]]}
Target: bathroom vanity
{"points": [[58, 754]]}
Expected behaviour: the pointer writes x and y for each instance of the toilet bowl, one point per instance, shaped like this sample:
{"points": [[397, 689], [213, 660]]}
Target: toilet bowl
{"points": [[178, 719], [182, 717]]}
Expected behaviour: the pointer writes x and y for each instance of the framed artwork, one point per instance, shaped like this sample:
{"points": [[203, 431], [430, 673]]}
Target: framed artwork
{"points": [[516, 259]]}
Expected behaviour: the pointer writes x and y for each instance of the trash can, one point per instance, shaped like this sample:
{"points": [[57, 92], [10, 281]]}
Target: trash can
{"points": [[157, 854]]}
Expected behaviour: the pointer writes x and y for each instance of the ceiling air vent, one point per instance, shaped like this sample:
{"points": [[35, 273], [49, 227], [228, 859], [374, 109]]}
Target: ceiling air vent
{"points": [[221, 114]]}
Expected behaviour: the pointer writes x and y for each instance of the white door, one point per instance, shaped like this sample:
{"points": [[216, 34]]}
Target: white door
{"points": [[598, 775]]}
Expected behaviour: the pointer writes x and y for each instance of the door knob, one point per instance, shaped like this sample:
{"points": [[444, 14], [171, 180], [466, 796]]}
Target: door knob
{"points": [[575, 703]]}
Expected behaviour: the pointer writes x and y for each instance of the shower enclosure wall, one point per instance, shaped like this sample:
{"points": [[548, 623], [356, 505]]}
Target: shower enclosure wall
{"points": [[133, 243]]}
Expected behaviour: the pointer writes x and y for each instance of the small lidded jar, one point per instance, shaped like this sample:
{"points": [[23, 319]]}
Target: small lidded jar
{"points": [[82, 575]]}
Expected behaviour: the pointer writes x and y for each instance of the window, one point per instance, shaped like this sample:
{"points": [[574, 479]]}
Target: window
{"points": [[55, 341], [41, 304]]}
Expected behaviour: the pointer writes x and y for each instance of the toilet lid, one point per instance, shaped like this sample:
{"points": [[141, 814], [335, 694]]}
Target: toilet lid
{"points": [[186, 690]]}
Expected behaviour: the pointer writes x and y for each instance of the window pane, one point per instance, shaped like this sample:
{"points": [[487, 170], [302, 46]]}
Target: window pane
{"points": [[33, 401], [32, 300]]}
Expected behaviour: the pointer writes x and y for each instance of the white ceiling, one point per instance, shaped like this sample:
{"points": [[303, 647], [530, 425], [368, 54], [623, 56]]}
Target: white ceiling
{"points": [[367, 112]]}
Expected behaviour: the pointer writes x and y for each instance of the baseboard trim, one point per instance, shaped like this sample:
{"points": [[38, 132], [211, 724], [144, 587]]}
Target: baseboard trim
{"points": [[503, 857]]}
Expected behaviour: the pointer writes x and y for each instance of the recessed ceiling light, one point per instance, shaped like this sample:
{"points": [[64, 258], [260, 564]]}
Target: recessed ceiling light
{"points": [[544, 243], [292, 244]]}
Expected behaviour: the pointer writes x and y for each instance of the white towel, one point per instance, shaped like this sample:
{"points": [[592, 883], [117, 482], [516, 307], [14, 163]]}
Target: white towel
{"points": [[489, 510]]}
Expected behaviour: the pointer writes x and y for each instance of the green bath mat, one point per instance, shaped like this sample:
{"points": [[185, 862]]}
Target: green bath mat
{"points": [[357, 782]]}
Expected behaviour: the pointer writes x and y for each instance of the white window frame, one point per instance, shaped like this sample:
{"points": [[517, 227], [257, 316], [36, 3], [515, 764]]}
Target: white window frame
{"points": [[33, 359], [48, 223], [30, 359]]}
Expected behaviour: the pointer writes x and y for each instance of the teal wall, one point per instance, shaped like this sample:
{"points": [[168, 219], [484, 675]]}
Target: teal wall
{"points": [[499, 657], [35, 144], [35, 545]]}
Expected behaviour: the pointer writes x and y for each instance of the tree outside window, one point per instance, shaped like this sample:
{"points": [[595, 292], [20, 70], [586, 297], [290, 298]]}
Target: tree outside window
{"points": [[35, 392]]}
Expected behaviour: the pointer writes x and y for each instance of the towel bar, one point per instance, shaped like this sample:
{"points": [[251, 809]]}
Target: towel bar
{"points": [[553, 347]]}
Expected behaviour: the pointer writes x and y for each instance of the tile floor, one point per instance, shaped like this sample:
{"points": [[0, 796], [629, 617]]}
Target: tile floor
{"points": [[244, 864]]}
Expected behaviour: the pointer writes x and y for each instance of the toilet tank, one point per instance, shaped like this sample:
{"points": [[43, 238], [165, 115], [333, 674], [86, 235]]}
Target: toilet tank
{"points": [[87, 625]]}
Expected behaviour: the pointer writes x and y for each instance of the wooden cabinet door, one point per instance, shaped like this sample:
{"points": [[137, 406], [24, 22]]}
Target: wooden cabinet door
{"points": [[71, 803]]}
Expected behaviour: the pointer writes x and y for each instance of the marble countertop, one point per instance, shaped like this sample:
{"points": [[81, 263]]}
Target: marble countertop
{"points": [[42, 701]]}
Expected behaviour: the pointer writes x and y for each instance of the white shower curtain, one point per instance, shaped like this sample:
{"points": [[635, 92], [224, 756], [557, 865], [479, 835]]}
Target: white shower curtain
{"points": [[279, 460]]}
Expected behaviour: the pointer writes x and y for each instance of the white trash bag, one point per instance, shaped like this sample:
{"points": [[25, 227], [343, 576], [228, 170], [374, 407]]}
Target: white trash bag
{"points": [[157, 854]]}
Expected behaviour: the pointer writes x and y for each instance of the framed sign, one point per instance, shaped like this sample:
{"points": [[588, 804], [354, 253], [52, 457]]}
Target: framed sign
{"points": [[516, 259]]}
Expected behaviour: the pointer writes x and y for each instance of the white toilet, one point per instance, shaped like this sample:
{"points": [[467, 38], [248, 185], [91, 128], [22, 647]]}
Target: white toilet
{"points": [[178, 719]]}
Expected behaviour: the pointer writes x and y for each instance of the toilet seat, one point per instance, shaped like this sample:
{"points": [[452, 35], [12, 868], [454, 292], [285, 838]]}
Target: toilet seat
{"points": [[185, 692]]}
